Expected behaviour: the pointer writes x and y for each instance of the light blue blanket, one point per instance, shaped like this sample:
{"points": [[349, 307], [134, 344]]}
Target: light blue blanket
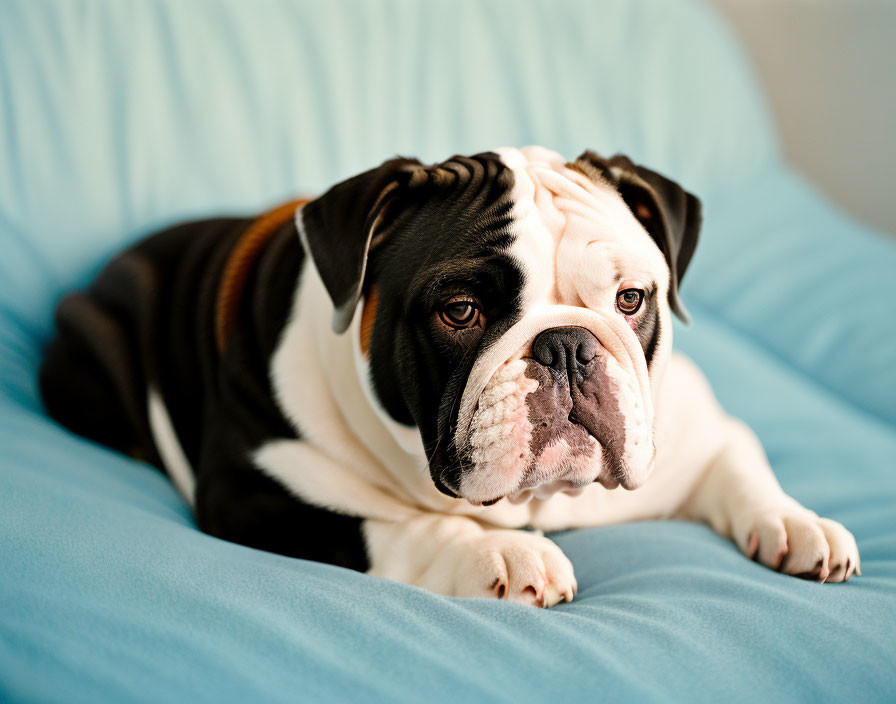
{"points": [[118, 117]]}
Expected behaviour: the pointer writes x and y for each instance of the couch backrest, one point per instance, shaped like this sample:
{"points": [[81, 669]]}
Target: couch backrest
{"points": [[117, 117]]}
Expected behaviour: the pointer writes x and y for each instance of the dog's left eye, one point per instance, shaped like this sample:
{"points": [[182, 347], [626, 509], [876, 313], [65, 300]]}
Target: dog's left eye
{"points": [[629, 301], [461, 313]]}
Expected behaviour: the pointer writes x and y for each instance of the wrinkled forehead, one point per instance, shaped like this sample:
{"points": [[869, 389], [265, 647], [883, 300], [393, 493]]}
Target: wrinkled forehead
{"points": [[574, 236]]}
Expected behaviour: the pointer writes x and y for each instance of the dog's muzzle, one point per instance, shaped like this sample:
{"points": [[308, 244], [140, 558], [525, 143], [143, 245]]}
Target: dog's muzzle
{"points": [[566, 409]]}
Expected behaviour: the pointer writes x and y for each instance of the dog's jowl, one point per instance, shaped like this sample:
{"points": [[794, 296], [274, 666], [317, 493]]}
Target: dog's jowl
{"points": [[400, 374]]}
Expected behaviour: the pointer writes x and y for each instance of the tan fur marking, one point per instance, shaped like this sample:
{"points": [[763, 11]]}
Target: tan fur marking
{"points": [[368, 318], [239, 263]]}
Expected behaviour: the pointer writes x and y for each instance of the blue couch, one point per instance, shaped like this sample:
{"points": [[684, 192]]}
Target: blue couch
{"points": [[119, 117]]}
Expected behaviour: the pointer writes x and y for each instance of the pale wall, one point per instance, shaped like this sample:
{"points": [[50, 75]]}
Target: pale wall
{"points": [[828, 68]]}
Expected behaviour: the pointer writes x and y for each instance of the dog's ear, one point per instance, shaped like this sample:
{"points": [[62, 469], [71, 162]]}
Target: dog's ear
{"points": [[339, 229], [670, 214]]}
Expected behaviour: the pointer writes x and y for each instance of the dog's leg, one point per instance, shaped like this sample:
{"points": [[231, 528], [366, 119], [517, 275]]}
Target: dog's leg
{"points": [[457, 556], [741, 499]]}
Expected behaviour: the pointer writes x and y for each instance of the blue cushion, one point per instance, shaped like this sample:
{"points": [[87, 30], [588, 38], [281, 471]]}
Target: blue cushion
{"points": [[116, 118]]}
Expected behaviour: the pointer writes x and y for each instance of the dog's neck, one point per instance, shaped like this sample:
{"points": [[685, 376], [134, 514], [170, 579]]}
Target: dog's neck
{"points": [[404, 436], [321, 379]]}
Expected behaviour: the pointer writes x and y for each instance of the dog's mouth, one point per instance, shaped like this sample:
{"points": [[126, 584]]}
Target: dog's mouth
{"points": [[541, 482], [558, 486], [609, 479]]}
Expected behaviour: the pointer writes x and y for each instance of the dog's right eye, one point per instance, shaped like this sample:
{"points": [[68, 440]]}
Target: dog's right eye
{"points": [[461, 313], [629, 301]]}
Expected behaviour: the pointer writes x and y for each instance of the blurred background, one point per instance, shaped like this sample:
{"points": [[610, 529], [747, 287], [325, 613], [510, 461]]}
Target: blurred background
{"points": [[827, 71]]}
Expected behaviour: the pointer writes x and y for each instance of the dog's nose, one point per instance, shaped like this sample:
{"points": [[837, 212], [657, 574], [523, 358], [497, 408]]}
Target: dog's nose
{"points": [[567, 350]]}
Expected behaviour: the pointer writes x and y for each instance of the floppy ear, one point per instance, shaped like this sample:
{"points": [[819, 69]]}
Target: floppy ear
{"points": [[670, 214], [338, 229]]}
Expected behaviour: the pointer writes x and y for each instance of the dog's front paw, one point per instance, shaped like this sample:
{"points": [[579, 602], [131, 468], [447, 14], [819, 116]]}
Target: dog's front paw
{"points": [[799, 543], [509, 564]]}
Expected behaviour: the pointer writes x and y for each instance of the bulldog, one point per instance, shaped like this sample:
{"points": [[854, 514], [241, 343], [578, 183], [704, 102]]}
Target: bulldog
{"points": [[425, 369]]}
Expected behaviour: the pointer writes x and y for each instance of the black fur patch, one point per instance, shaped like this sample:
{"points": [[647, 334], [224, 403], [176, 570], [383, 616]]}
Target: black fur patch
{"points": [[648, 329], [148, 320]]}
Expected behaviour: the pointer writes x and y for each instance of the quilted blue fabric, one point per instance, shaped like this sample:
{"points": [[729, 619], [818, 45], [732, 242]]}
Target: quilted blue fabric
{"points": [[118, 117]]}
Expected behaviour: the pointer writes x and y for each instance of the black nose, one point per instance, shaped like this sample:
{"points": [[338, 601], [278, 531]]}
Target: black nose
{"points": [[567, 350]]}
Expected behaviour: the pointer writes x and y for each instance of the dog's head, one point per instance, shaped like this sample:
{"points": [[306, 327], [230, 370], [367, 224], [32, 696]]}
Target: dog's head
{"points": [[515, 308]]}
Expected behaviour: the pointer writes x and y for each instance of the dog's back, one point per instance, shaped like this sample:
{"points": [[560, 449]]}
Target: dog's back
{"points": [[116, 340]]}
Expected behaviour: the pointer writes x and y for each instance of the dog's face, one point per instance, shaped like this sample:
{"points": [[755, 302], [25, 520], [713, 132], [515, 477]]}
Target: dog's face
{"points": [[515, 309]]}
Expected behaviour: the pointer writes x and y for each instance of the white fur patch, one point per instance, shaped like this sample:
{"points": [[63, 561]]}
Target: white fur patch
{"points": [[176, 463], [574, 235], [311, 475]]}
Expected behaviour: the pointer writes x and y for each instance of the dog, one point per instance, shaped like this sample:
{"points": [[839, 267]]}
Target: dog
{"points": [[402, 374]]}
